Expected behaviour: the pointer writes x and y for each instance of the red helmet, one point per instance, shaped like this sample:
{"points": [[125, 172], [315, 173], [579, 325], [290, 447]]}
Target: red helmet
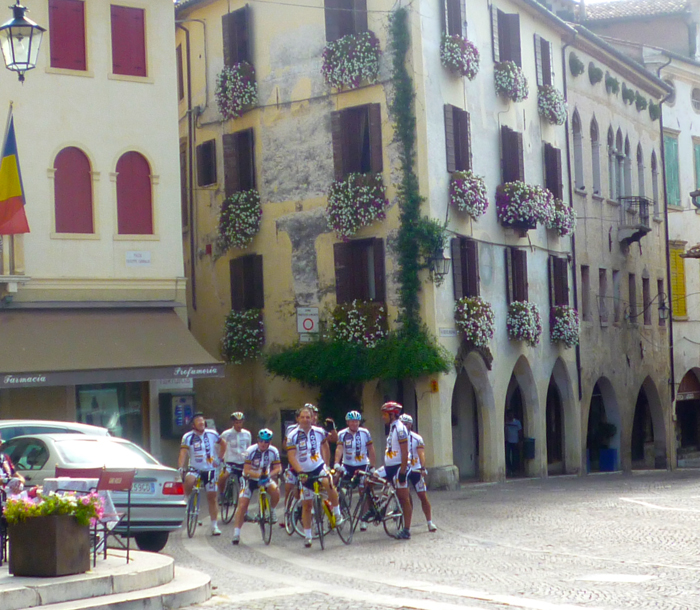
{"points": [[392, 407]]}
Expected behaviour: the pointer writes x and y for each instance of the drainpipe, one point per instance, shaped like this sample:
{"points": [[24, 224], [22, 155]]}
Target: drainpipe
{"points": [[204, 56]]}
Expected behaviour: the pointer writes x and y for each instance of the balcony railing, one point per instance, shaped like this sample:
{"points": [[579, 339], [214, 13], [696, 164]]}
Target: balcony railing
{"points": [[634, 222], [639, 206]]}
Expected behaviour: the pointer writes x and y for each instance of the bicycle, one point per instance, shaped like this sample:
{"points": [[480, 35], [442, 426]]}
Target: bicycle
{"points": [[264, 516], [193, 506], [292, 513], [322, 511], [229, 499], [382, 505]]}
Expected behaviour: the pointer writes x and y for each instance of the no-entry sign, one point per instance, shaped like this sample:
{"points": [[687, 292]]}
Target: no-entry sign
{"points": [[307, 319]]}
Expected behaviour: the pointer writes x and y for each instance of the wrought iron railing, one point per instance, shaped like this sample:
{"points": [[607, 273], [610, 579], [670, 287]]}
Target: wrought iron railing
{"points": [[638, 205]]}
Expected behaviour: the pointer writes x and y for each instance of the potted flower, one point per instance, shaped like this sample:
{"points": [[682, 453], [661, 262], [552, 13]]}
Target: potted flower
{"points": [[236, 90], [551, 105], [239, 220], [475, 318], [49, 535], [459, 55], [468, 193], [351, 60], [355, 202], [360, 323], [521, 206], [510, 81], [562, 218], [524, 322], [563, 325], [244, 336]]}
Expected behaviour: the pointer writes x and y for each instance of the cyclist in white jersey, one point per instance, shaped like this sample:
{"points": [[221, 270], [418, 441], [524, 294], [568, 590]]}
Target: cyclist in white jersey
{"points": [[397, 462], [418, 471], [304, 450], [237, 442], [203, 449], [262, 465]]}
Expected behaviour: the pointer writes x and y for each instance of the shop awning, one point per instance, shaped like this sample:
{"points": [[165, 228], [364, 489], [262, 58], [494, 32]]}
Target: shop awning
{"points": [[54, 347]]}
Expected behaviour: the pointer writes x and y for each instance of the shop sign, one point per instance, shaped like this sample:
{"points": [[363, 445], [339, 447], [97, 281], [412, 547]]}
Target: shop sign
{"points": [[688, 396], [165, 385], [138, 258]]}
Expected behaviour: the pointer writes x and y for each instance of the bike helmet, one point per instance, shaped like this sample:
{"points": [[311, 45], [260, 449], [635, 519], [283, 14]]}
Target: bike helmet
{"points": [[392, 407], [265, 435], [353, 416], [237, 415], [406, 419], [314, 408]]}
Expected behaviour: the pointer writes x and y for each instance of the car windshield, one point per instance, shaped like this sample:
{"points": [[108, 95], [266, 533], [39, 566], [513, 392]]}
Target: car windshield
{"points": [[110, 454]]}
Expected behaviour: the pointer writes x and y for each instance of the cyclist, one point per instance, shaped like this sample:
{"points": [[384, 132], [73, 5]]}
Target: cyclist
{"points": [[328, 426], [262, 465], [397, 460], [203, 448], [237, 442], [305, 444], [418, 471]]}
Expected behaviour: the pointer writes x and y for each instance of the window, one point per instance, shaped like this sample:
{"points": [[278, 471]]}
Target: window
{"points": [[552, 171], [585, 293], [673, 186], [357, 140], [128, 41], [236, 36], [655, 183], [612, 166], [345, 17], [595, 158], [628, 168], [505, 36], [633, 297], [67, 34], [617, 301], [641, 191], [516, 274], [578, 152], [206, 163], [661, 301], [458, 139], [603, 295], [359, 270], [695, 100], [247, 282], [239, 162], [184, 193], [512, 162], [620, 162], [453, 17], [558, 281], [544, 61], [180, 74], [134, 204], [678, 304], [73, 192], [646, 300], [465, 267]]}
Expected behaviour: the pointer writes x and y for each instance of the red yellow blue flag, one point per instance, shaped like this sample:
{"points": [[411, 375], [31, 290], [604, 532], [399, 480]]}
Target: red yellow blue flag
{"points": [[13, 219]]}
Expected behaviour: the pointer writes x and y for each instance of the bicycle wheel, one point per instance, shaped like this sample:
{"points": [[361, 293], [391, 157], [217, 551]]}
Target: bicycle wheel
{"points": [[392, 516], [192, 512], [363, 500], [230, 499], [319, 518], [265, 518], [344, 527], [290, 506]]}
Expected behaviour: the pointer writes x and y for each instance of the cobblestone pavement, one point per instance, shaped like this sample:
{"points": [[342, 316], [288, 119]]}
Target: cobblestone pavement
{"points": [[602, 542]]}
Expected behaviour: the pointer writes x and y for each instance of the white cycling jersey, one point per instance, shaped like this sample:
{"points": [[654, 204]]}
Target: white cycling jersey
{"points": [[355, 446], [237, 444], [415, 442], [202, 447], [261, 462], [308, 446], [397, 433]]}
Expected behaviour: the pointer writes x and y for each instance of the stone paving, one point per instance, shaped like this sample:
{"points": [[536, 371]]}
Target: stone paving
{"points": [[604, 542]]}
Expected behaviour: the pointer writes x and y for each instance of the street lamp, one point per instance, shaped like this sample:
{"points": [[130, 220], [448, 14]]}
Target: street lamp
{"points": [[439, 266], [663, 308], [20, 40]]}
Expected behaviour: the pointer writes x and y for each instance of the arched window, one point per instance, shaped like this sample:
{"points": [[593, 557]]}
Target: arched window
{"points": [[134, 209], [620, 162], [595, 157], [641, 191], [578, 151], [655, 183], [73, 192], [628, 168], [612, 166]]}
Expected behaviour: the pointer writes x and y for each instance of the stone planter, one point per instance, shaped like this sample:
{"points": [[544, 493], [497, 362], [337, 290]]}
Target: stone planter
{"points": [[49, 546]]}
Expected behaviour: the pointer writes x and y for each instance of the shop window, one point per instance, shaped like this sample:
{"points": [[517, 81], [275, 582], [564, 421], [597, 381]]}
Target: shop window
{"points": [[134, 200], [357, 140], [505, 36], [465, 267], [115, 406], [512, 161], [128, 41], [458, 139], [236, 36], [247, 282], [67, 34], [206, 163], [359, 270], [344, 17], [516, 275], [73, 192], [239, 161]]}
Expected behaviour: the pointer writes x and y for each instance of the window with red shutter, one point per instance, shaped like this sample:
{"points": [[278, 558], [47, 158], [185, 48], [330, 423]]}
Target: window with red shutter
{"points": [[516, 274], [558, 281], [357, 140], [73, 192], [134, 201], [67, 34], [512, 155], [206, 163], [344, 17], [236, 36], [128, 40], [246, 274], [505, 36], [239, 161], [553, 170], [359, 271]]}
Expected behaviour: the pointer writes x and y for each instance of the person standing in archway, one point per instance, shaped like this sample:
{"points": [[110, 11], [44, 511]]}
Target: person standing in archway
{"points": [[514, 436]]}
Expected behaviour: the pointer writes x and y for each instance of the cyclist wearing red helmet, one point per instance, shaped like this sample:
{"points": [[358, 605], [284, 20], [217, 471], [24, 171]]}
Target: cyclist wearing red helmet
{"points": [[397, 461]]}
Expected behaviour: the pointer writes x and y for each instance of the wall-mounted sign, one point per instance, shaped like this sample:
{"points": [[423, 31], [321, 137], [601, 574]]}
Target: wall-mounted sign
{"points": [[448, 332], [307, 320], [138, 258], [165, 385]]}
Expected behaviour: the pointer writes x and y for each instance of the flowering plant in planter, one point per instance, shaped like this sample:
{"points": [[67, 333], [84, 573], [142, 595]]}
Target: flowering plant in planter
{"points": [[244, 336], [359, 322], [239, 220], [236, 89], [350, 60], [524, 322], [355, 202], [551, 105], [510, 81], [522, 205], [563, 325], [468, 193], [475, 318], [459, 55], [85, 507], [562, 219]]}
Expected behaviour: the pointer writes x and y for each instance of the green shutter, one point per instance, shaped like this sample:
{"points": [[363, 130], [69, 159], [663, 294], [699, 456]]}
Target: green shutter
{"points": [[696, 147], [673, 187]]}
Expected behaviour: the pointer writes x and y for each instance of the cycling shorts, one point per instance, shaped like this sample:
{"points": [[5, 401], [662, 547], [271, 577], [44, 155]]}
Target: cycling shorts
{"points": [[392, 475], [208, 478], [234, 468], [250, 485], [351, 470], [308, 485], [290, 477], [415, 477]]}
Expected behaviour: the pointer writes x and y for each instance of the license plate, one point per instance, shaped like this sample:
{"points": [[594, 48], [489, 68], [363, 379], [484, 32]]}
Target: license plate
{"points": [[143, 488]]}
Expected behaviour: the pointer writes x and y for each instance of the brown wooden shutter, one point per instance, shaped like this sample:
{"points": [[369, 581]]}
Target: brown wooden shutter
{"points": [[538, 59], [237, 284], [245, 145], [462, 139], [444, 18], [470, 261], [495, 41], [333, 16], [510, 286], [206, 163], [561, 281], [457, 279], [379, 275], [550, 281], [338, 144], [360, 269], [559, 192], [519, 155], [506, 164], [230, 38], [243, 34], [548, 73], [342, 256], [454, 17], [450, 137], [553, 170], [462, 18], [360, 15], [468, 139], [513, 160], [232, 179], [503, 38], [520, 275], [512, 31], [258, 293], [375, 138]]}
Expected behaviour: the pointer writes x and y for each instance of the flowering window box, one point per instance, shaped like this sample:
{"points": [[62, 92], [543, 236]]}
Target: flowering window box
{"points": [[475, 318], [359, 322], [355, 202], [351, 60], [468, 193], [562, 219], [510, 81], [521, 206], [459, 55], [239, 220], [524, 322], [564, 325], [244, 336], [236, 90], [551, 105]]}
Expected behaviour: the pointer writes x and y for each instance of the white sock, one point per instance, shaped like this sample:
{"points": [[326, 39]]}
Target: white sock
{"points": [[236, 531], [308, 533], [430, 522], [336, 511], [214, 523]]}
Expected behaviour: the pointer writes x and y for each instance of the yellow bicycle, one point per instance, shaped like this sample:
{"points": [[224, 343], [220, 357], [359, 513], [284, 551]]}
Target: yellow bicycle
{"points": [[264, 516], [322, 510]]}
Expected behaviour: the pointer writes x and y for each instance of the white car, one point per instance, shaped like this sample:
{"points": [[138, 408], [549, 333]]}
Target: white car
{"points": [[9, 428]]}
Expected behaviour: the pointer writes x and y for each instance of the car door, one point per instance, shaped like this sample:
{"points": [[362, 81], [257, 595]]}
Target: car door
{"points": [[31, 459]]}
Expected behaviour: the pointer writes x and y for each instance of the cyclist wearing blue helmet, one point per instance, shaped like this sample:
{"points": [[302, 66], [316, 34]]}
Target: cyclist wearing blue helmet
{"points": [[355, 450], [262, 465]]}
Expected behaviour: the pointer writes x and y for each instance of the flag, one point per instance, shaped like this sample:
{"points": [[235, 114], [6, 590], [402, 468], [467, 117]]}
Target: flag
{"points": [[13, 220]]}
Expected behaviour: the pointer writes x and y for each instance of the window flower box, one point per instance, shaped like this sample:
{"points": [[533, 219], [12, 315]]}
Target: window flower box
{"points": [[510, 81], [459, 55], [239, 220], [524, 322], [236, 90], [475, 318], [244, 336], [521, 206], [468, 193], [355, 202], [562, 219], [564, 325], [351, 60], [360, 323], [551, 105]]}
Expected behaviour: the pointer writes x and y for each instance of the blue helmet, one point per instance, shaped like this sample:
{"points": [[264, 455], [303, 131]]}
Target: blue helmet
{"points": [[353, 416], [265, 435]]}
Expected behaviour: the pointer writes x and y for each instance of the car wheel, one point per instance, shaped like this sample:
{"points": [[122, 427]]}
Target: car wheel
{"points": [[151, 541]]}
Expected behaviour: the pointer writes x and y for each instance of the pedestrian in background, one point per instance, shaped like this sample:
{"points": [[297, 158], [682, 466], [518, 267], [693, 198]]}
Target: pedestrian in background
{"points": [[514, 436]]}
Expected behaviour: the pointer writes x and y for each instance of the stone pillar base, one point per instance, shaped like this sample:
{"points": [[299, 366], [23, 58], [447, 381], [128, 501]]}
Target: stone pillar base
{"points": [[443, 477]]}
